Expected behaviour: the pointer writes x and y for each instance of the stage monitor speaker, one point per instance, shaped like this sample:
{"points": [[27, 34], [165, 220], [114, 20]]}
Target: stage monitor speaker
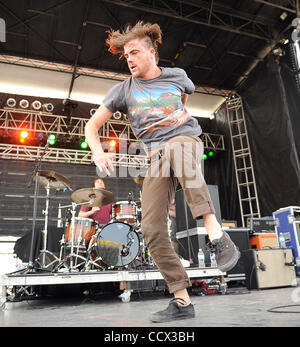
{"points": [[240, 237], [192, 223], [269, 268]]}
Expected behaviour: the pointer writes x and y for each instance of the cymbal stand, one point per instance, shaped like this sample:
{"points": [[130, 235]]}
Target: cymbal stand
{"points": [[35, 173], [73, 255], [45, 230], [44, 251]]}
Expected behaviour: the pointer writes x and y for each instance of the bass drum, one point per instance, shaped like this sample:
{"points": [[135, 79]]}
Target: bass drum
{"points": [[117, 245]]}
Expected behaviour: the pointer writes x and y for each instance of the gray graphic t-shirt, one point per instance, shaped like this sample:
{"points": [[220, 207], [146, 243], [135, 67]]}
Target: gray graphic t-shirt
{"points": [[154, 107]]}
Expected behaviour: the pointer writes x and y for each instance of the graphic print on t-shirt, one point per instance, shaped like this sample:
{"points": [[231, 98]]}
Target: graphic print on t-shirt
{"points": [[157, 108]]}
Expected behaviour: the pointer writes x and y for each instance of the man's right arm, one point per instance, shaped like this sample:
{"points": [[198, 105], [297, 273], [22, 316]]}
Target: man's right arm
{"points": [[101, 159], [86, 214]]}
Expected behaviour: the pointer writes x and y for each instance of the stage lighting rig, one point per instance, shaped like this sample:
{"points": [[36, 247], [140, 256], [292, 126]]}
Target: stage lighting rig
{"points": [[117, 115], [11, 102], [48, 107], [23, 136], [51, 139], [24, 103], [84, 144], [208, 155], [36, 105]]}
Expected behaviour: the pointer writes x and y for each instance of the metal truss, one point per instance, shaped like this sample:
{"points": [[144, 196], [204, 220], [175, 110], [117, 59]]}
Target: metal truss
{"points": [[43, 122], [213, 14], [213, 141], [242, 158], [69, 156]]}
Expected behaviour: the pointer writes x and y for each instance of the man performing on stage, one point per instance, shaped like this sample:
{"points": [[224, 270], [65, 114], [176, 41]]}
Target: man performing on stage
{"points": [[154, 100]]}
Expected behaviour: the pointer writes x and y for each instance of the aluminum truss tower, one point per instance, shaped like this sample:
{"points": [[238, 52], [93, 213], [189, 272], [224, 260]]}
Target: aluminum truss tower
{"points": [[244, 172]]}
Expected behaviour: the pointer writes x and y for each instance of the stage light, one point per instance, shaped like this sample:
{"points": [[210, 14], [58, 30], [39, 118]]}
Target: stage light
{"points": [[204, 156], [210, 153], [92, 111], [36, 105], [40, 136], [24, 134], [84, 144], [51, 139], [48, 107], [112, 144], [11, 102], [117, 115], [24, 103]]}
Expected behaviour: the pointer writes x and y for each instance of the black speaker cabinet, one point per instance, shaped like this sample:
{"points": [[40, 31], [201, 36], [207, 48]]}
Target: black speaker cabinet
{"points": [[192, 239], [269, 268], [240, 237], [189, 242], [191, 222]]}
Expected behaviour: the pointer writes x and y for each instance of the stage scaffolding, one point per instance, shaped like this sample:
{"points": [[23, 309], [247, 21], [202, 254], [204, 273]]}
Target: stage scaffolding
{"points": [[118, 127], [13, 119], [242, 158]]}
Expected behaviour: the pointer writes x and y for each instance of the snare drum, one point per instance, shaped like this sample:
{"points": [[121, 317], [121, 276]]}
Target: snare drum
{"points": [[84, 229], [124, 211]]}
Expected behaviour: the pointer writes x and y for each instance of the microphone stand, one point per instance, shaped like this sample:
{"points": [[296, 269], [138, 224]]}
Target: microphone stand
{"points": [[35, 173]]}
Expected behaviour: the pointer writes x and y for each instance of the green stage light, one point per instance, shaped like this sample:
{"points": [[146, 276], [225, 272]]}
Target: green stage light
{"points": [[84, 144], [210, 153], [204, 156], [51, 139]]}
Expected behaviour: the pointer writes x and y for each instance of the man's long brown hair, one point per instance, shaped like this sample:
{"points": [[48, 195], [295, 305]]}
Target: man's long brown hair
{"points": [[117, 40]]}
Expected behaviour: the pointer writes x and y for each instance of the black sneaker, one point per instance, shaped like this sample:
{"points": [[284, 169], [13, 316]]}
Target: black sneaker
{"points": [[174, 312], [227, 254]]}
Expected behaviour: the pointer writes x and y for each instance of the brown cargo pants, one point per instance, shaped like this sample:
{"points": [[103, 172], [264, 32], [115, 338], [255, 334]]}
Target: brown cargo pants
{"points": [[179, 161]]}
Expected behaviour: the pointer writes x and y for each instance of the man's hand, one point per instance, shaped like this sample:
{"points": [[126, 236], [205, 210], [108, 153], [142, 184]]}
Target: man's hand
{"points": [[104, 162]]}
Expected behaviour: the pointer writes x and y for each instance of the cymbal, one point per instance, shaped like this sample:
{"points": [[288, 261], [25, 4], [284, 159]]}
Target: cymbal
{"points": [[99, 197], [56, 181]]}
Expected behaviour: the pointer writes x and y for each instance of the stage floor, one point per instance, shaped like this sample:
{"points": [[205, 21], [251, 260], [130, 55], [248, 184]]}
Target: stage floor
{"points": [[237, 308]]}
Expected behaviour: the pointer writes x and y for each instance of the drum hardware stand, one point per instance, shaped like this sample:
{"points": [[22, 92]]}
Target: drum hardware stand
{"points": [[45, 230], [44, 251], [35, 173], [89, 261], [73, 255]]}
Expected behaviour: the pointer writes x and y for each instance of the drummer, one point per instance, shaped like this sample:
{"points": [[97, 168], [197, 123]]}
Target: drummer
{"points": [[101, 214]]}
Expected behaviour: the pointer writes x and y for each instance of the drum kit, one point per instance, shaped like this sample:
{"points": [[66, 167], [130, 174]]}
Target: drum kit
{"points": [[87, 245]]}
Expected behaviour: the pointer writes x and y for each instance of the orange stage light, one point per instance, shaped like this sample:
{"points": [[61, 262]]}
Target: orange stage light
{"points": [[112, 143], [24, 134]]}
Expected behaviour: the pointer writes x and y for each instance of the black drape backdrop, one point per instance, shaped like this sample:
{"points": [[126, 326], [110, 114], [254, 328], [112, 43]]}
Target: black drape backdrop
{"points": [[219, 170], [272, 111], [271, 104]]}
